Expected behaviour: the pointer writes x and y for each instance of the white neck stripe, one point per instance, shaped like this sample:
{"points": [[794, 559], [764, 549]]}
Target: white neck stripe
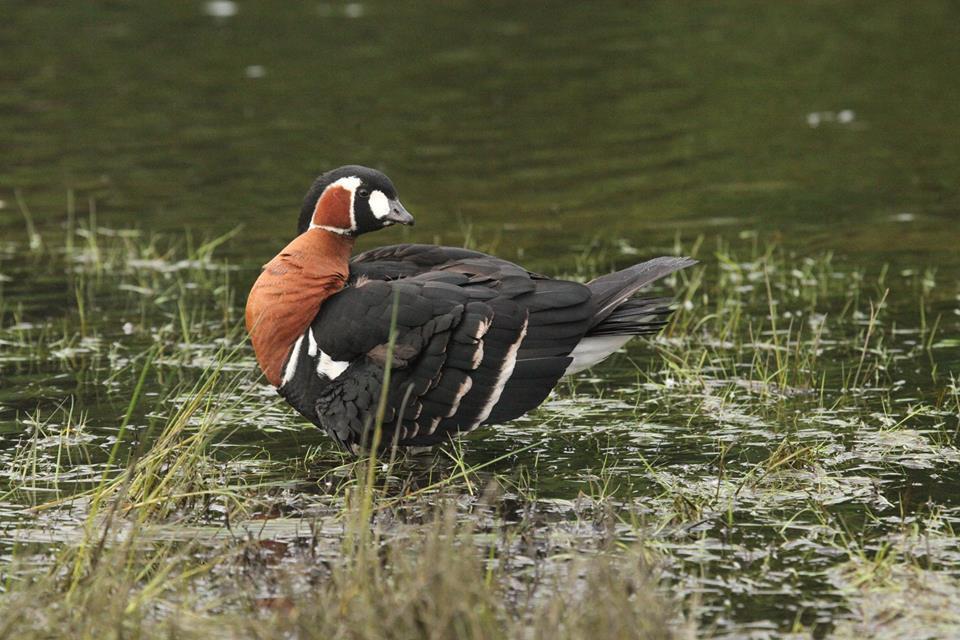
{"points": [[337, 230], [350, 184]]}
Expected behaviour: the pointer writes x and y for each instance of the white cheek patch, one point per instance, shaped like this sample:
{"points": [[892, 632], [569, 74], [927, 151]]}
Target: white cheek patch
{"points": [[379, 204]]}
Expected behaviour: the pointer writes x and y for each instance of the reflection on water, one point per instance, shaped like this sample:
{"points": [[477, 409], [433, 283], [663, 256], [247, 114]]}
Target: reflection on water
{"points": [[552, 123]]}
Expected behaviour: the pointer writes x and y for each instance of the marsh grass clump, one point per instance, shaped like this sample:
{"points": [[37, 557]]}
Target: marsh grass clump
{"points": [[798, 408], [437, 584], [167, 533], [778, 458], [896, 587], [378, 565]]}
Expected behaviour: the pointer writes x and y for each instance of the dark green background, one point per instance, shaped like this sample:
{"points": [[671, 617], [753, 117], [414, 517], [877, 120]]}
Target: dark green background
{"points": [[552, 121]]}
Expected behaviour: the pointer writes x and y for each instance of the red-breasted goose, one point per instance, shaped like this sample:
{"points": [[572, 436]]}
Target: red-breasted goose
{"points": [[479, 340]]}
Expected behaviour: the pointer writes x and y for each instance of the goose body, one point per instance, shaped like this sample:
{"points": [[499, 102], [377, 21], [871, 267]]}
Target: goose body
{"points": [[478, 340]]}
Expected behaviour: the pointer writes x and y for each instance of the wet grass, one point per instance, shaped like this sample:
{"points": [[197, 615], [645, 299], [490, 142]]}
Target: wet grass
{"points": [[779, 460]]}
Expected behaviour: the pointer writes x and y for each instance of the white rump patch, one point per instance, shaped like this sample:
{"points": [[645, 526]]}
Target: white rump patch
{"points": [[593, 350], [292, 359], [326, 366], [379, 205]]}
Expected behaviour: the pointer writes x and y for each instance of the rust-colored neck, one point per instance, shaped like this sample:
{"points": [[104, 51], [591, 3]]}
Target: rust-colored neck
{"points": [[287, 296]]}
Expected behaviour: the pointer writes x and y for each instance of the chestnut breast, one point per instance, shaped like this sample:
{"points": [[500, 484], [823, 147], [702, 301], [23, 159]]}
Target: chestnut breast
{"points": [[287, 296]]}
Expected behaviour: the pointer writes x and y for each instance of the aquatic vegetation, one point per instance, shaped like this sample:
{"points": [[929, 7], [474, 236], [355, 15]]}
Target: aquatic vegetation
{"points": [[778, 459]]}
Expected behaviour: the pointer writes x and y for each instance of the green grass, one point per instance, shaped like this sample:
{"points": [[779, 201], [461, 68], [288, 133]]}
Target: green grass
{"points": [[136, 567], [774, 458]]}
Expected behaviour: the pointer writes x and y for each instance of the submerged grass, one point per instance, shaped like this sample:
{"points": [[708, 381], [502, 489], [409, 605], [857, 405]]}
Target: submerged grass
{"points": [[121, 577], [781, 464]]}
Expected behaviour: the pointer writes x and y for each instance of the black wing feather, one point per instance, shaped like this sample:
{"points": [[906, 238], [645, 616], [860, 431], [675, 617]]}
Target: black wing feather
{"points": [[479, 340]]}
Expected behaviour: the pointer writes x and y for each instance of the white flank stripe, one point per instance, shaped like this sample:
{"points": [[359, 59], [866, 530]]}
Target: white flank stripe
{"points": [[465, 386], [482, 328], [326, 366], [593, 350], [477, 356], [505, 372], [311, 343], [291, 367]]}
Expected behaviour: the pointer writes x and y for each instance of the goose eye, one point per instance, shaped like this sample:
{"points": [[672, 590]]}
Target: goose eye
{"points": [[363, 192]]}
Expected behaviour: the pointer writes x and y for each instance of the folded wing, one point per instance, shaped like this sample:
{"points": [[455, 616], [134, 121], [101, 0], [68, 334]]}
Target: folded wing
{"points": [[478, 340]]}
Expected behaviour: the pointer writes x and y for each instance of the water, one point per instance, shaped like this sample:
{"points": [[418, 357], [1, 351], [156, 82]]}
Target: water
{"points": [[562, 123], [539, 131]]}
